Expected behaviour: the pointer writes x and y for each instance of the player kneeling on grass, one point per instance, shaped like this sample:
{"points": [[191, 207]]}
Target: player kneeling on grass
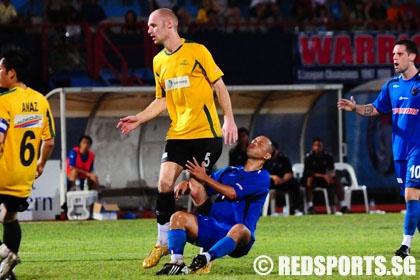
{"points": [[226, 226]]}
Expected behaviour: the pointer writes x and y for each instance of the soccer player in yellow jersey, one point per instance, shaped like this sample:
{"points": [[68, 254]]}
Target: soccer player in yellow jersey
{"points": [[185, 76], [26, 142]]}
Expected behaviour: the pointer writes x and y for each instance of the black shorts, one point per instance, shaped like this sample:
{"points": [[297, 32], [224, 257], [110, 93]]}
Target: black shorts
{"points": [[205, 149], [14, 204]]}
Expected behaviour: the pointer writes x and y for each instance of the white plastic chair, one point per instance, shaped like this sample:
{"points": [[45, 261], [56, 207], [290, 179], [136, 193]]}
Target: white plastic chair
{"points": [[354, 185], [298, 173], [272, 202]]}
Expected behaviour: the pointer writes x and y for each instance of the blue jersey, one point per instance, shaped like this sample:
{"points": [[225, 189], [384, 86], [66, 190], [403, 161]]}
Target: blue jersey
{"points": [[402, 98], [251, 189]]}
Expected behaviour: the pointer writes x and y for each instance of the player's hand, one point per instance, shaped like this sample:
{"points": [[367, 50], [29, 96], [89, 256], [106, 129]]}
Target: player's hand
{"points": [[128, 124], [230, 132], [39, 171], [181, 189], [197, 170], [347, 105]]}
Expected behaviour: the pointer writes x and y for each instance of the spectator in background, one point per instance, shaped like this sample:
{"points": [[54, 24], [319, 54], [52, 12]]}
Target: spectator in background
{"points": [[207, 15], [8, 16], [319, 173], [206, 7], [357, 15], [338, 11], [282, 180], [375, 11], [229, 12], [92, 12], [302, 11], [52, 11], [237, 155], [79, 165], [321, 17], [410, 15], [262, 10], [393, 15], [130, 23], [69, 13], [185, 18]]}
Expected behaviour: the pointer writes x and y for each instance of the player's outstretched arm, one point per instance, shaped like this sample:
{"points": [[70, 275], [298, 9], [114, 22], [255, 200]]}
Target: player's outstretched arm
{"points": [[229, 128], [129, 123], [367, 110]]}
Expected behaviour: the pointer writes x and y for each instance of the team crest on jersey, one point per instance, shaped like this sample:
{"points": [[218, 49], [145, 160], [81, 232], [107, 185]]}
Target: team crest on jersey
{"points": [[179, 82], [24, 121]]}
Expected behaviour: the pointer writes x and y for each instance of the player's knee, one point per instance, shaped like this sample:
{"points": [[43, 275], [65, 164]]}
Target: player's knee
{"points": [[179, 219], [165, 185], [241, 230], [412, 194]]}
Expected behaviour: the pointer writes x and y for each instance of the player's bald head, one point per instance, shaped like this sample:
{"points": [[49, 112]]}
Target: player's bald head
{"points": [[165, 15]]}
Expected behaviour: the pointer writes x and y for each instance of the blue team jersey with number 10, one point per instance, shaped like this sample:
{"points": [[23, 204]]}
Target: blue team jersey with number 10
{"points": [[402, 98]]}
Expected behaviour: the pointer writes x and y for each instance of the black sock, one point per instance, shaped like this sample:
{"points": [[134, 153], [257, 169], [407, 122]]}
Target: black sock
{"points": [[165, 207], [12, 235]]}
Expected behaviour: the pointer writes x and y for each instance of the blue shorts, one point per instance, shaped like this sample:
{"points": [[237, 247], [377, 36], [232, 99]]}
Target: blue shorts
{"points": [[211, 231], [408, 173]]}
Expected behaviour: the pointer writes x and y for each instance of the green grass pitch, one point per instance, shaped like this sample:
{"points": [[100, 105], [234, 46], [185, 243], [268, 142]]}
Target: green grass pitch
{"points": [[115, 249]]}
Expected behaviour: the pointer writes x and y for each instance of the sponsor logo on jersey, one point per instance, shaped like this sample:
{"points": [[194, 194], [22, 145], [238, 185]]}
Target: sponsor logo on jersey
{"points": [[405, 111], [25, 121], [179, 82]]}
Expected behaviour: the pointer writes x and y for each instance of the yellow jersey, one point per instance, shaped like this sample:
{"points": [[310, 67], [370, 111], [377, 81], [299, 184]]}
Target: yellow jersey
{"points": [[185, 79], [26, 119]]}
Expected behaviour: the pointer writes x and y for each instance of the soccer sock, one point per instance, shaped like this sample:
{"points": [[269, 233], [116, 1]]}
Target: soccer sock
{"points": [[208, 257], [177, 238], [223, 247], [407, 240], [412, 216], [12, 235], [165, 207], [162, 238]]}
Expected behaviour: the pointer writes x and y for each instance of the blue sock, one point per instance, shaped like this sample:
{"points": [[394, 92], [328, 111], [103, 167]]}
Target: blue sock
{"points": [[177, 238], [223, 247], [418, 226], [412, 217]]}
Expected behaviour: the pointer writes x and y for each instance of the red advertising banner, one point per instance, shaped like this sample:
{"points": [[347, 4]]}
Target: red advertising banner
{"points": [[346, 57]]}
